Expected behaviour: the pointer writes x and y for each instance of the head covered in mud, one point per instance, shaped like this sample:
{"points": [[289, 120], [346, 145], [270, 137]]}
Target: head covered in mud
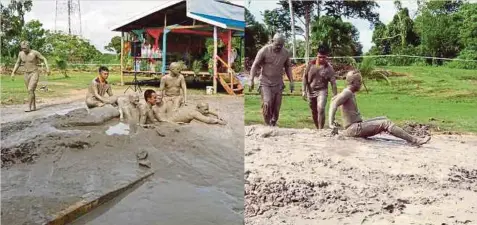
{"points": [[278, 42], [134, 99], [175, 68], [203, 108], [159, 98], [353, 80], [150, 96], [25, 46]]}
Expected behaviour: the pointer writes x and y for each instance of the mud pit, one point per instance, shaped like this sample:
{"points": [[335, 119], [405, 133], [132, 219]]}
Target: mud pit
{"points": [[304, 176], [47, 167]]}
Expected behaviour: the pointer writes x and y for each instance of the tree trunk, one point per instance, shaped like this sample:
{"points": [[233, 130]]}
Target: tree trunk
{"points": [[307, 35]]}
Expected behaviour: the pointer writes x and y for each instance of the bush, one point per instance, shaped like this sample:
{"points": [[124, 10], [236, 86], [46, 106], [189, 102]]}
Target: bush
{"points": [[467, 54]]}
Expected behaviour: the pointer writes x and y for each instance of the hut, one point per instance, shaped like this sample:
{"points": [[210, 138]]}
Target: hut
{"points": [[178, 30]]}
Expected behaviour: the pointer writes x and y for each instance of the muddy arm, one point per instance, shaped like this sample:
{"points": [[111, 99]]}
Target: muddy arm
{"points": [[204, 119], [334, 88], [305, 78], [142, 115], [336, 102], [162, 86], [184, 89], [40, 56], [256, 63], [288, 70], [96, 94], [110, 91]]}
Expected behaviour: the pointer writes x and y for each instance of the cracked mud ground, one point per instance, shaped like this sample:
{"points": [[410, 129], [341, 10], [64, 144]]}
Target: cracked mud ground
{"points": [[47, 167], [295, 176]]}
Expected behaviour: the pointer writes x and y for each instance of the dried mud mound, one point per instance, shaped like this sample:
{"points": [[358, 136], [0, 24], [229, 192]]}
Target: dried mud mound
{"points": [[304, 176]]}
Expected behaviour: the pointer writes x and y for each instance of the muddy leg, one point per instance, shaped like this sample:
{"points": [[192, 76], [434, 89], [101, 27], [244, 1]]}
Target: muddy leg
{"points": [[321, 105], [277, 103], [266, 103], [93, 102], [314, 110], [31, 80]]}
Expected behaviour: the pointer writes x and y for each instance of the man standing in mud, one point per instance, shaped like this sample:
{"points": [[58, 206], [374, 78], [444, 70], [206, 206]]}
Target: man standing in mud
{"points": [[316, 77], [30, 58], [273, 59], [171, 87], [99, 87], [354, 125]]}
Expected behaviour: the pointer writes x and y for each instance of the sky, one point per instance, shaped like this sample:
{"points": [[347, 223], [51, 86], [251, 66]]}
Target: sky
{"points": [[99, 17], [386, 14]]}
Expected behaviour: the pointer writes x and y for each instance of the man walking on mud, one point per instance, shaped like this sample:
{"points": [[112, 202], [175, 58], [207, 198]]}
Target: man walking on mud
{"points": [[316, 77], [354, 125], [30, 59], [272, 59]]}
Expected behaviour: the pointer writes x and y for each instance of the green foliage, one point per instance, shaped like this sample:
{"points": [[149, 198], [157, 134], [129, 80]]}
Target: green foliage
{"points": [[196, 67], [62, 65], [467, 54], [114, 45], [70, 48], [13, 21], [256, 35], [342, 37]]}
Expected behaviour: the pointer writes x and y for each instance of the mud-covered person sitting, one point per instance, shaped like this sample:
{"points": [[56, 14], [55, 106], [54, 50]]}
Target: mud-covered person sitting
{"points": [[147, 117], [99, 87]]}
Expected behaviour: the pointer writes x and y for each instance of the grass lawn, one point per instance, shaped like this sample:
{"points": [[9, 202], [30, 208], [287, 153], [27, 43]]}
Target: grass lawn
{"points": [[14, 92], [444, 97]]}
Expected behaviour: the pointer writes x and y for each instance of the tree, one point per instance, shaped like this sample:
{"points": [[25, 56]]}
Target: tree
{"points": [[342, 37], [66, 48], [34, 33], [256, 36], [13, 20], [349, 9], [114, 45], [278, 21]]}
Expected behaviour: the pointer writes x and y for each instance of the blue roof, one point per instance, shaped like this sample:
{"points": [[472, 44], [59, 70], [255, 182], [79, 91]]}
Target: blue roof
{"points": [[228, 22]]}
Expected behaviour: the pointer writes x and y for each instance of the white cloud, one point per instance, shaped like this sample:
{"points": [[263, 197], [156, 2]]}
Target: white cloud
{"points": [[386, 14], [97, 17]]}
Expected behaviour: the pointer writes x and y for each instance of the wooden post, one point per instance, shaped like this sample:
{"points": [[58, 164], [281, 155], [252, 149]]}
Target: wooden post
{"points": [[122, 58], [215, 60], [229, 54], [164, 45]]}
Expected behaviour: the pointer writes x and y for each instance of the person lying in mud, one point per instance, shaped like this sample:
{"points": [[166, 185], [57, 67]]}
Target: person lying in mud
{"points": [[147, 116], [128, 106], [354, 125], [200, 113], [315, 86], [30, 58], [171, 87], [99, 87]]}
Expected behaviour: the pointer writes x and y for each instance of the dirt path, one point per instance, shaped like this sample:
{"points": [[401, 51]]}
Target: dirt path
{"points": [[303, 176], [198, 168]]}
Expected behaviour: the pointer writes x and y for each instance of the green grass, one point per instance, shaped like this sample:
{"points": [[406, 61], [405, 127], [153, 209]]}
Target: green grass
{"points": [[444, 97], [14, 92]]}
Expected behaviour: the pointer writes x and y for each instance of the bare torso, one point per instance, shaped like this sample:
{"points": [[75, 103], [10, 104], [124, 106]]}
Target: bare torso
{"points": [[172, 85], [29, 61], [349, 109], [273, 65], [318, 77]]}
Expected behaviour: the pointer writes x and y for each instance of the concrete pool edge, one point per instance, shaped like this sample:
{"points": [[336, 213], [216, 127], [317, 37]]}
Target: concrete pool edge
{"points": [[83, 207]]}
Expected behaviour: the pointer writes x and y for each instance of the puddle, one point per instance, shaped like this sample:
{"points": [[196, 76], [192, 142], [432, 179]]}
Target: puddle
{"points": [[118, 129]]}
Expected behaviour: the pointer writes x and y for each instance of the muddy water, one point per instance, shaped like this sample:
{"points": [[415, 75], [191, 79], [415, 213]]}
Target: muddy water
{"points": [[198, 171]]}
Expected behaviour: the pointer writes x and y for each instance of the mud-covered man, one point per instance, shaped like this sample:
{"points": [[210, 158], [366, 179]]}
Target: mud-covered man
{"points": [[30, 58], [200, 113], [147, 115], [173, 88], [273, 59], [98, 88], [316, 77], [354, 125]]}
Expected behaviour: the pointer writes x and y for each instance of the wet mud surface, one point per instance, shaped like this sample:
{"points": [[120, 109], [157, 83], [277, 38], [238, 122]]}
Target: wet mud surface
{"points": [[49, 164], [309, 177]]}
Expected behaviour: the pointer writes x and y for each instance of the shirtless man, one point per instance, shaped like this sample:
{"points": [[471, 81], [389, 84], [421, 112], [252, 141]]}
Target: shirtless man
{"points": [[354, 125], [273, 59], [99, 87], [128, 106], [30, 59], [200, 113], [171, 87], [315, 86], [147, 116]]}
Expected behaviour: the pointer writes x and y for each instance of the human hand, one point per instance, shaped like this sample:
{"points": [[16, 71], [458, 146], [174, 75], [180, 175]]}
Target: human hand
{"points": [[251, 87], [48, 72], [303, 95], [12, 76], [222, 122], [292, 87]]}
